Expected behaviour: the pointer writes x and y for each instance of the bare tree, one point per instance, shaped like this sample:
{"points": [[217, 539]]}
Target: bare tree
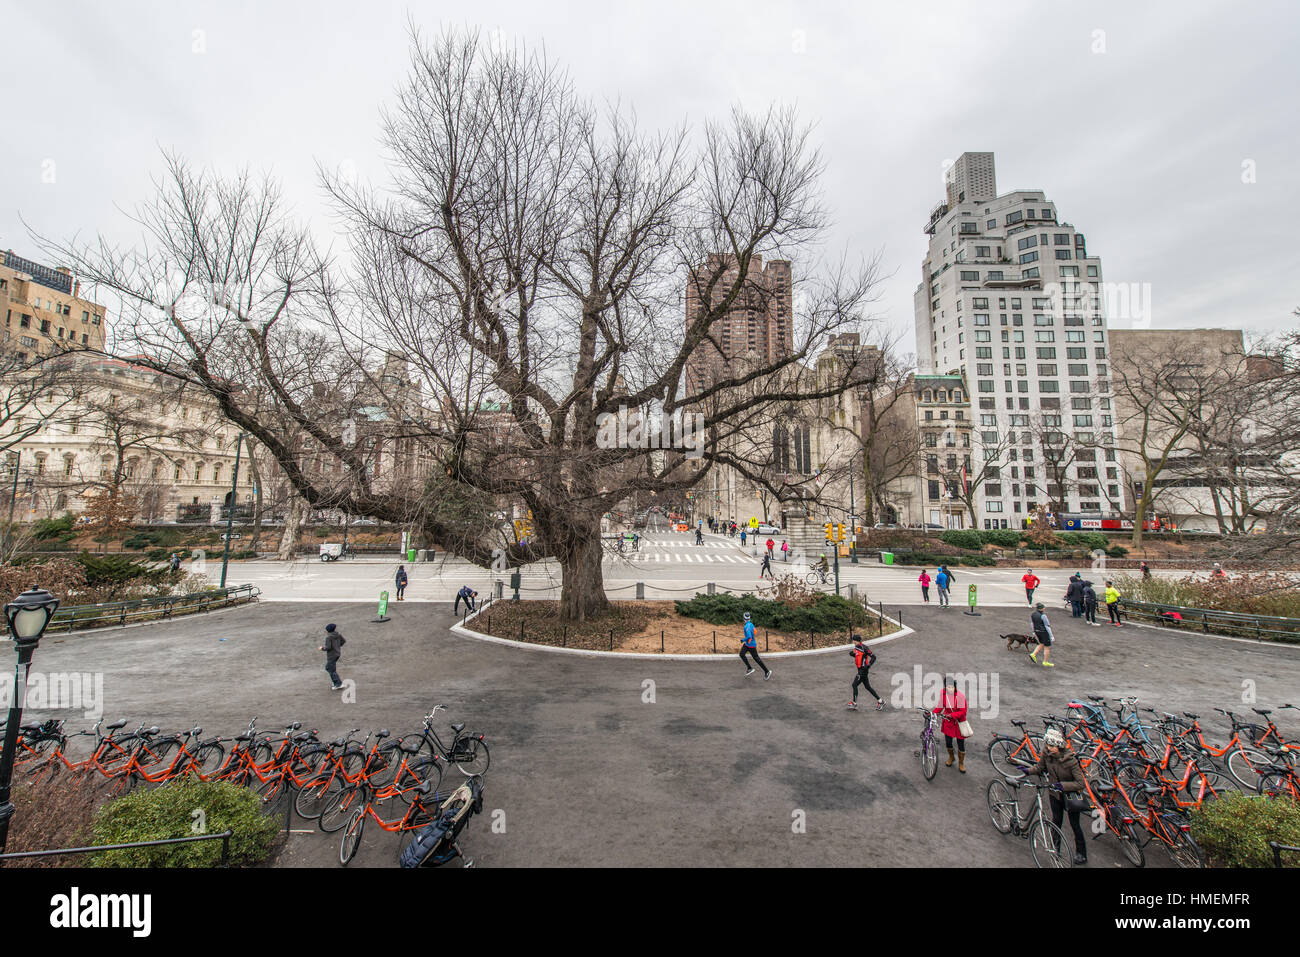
{"points": [[964, 478], [531, 252]]}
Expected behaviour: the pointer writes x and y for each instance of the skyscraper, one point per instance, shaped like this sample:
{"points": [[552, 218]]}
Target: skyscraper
{"points": [[1011, 300], [758, 323]]}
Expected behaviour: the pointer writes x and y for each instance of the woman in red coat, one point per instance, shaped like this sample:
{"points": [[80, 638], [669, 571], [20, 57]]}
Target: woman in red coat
{"points": [[952, 705]]}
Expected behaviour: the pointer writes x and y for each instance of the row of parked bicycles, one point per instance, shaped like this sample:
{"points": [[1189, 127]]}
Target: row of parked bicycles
{"points": [[341, 784], [1145, 770]]}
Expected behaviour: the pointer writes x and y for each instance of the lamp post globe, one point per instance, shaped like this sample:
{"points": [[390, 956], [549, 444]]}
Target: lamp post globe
{"points": [[29, 615]]}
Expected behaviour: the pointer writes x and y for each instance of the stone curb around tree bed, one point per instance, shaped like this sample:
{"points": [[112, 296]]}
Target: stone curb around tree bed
{"points": [[460, 629]]}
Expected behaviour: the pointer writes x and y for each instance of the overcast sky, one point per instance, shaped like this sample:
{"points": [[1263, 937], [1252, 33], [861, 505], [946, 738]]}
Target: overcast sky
{"points": [[1135, 118]]}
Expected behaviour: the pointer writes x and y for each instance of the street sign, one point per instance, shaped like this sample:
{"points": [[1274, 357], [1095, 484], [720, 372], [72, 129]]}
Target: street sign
{"points": [[970, 599], [383, 608]]}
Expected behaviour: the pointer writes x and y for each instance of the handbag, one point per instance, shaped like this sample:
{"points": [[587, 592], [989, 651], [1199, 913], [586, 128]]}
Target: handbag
{"points": [[966, 730], [1077, 802]]}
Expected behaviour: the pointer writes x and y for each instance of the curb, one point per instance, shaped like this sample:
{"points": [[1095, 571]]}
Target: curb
{"points": [[464, 632]]}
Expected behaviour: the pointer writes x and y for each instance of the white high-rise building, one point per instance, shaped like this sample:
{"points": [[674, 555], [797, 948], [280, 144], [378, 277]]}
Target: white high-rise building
{"points": [[1010, 299]]}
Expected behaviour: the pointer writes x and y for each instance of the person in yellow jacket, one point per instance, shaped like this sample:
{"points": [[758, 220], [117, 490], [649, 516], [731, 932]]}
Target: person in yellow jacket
{"points": [[1112, 604]]}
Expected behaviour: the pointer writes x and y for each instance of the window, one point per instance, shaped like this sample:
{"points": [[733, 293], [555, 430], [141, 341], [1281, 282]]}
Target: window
{"points": [[1078, 370], [1046, 352], [1081, 402], [993, 489], [1049, 386], [1072, 336], [1082, 420], [983, 335], [1063, 254], [1027, 243], [1028, 258], [1092, 270], [1042, 320], [970, 275], [982, 252], [1044, 336], [1030, 273], [984, 385], [1047, 368], [991, 224], [993, 507], [1015, 217]]}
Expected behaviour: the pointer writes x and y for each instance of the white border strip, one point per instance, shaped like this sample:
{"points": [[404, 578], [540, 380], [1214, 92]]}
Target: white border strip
{"points": [[464, 632]]}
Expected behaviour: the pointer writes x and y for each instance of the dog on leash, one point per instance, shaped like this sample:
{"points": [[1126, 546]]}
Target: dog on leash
{"points": [[1024, 641]]}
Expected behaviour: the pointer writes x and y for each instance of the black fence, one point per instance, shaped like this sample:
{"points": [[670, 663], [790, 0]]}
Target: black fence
{"points": [[224, 837], [1214, 621], [74, 617]]}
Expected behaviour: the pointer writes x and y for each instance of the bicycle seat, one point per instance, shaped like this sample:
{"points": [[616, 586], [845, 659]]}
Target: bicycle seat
{"points": [[30, 728], [1094, 697], [303, 736], [213, 740], [1102, 787], [409, 748], [243, 737], [1188, 714], [1264, 711], [1018, 724], [383, 733], [1152, 788], [295, 726], [117, 724], [457, 728], [337, 742], [150, 732]]}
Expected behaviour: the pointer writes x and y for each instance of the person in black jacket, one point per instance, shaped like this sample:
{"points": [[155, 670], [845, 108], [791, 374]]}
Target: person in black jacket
{"points": [[401, 581], [333, 649], [1090, 605], [1074, 595], [864, 658]]}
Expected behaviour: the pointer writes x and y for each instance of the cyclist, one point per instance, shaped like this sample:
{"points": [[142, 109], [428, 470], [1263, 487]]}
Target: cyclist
{"points": [[863, 659], [699, 535], [822, 567], [636, 541], [1065, 776], [750, 647]]}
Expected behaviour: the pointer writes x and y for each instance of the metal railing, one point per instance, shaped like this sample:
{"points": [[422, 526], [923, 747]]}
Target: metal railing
{"points": [[72, 617], [1278, 849], [1215, 621], [224, 837]]}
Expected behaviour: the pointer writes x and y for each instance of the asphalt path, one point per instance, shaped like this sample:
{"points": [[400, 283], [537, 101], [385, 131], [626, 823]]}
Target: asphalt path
{"points": [[605, 761]]}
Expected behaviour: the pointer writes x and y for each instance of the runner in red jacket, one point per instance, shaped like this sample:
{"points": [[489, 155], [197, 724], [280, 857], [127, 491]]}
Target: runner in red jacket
{"points": [[1031, 582]]}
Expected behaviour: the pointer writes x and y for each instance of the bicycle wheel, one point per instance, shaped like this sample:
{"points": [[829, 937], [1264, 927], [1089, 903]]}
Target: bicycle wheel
{"points": [[345, 803], [208, 760], [1049, 846], [470, 755], [1130, 842], [1002, 805], [1277, 784], [155, 756], [1246, 764], [929, 758], [1007, 755], [1184, 849], [314, 796], [352, 837], [273, 795]]}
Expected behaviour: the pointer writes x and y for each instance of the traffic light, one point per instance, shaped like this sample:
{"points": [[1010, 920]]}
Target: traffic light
{"points": [[827, 527], [839, 532]]}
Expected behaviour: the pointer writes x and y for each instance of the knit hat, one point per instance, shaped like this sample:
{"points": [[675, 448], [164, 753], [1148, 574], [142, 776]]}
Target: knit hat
{"points": [[1053, 738], [746, 616], [329, 627]]}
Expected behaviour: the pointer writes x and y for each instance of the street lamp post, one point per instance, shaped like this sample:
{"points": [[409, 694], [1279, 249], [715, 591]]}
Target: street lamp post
{"points": [[230, 514], [27, 615]]}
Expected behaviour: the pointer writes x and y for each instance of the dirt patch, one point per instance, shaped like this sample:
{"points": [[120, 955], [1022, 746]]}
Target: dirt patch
{"points": [[645, 627]]}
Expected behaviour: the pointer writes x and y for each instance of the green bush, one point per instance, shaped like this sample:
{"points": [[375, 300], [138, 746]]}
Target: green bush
{"points": [[1088, 540], [1234, 831], [962, 538], [168, 811], [1117, 551], [46, 529], [116, 570], [1003, 537], [979, 560], [825, 615]]}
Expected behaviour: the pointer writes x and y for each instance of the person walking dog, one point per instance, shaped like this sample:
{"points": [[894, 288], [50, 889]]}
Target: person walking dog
{"points": [[863, 659], [952, 706], [333, 649], [401, 582], [1043, 632], [750, 647]]}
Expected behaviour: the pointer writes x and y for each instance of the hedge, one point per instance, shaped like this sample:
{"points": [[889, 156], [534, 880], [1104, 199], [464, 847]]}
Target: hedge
{"points": [[825, 615], [1234, 831], [169, 811]]}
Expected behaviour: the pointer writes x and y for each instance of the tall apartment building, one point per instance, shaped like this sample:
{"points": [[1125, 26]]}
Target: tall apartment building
{"points": [[759, 323], [43, 310], [1010, 299]]}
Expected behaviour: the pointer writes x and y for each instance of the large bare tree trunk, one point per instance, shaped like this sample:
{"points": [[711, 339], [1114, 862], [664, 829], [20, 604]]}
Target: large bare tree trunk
{"points": [[289, 540], [582, 593]]}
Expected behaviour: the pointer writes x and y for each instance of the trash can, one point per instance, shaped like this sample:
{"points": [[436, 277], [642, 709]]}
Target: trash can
{"points": [[410, 554], [886, 558], [422, 555]]}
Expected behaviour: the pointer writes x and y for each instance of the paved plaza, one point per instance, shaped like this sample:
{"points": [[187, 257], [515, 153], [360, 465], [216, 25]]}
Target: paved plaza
{"points": [[608, 761]]}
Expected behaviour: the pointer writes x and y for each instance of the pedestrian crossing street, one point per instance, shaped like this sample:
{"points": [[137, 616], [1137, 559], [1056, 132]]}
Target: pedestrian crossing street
{"points": [[682, 550]]}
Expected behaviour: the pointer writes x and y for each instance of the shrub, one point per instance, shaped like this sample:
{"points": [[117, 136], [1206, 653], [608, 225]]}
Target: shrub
{"points": [[979, 560], [825, 615], [168, 811], [1088, 540], [1234, 831], [1117, 551], [53, 812], [962, 538], [46, 529], [1003, 537]]}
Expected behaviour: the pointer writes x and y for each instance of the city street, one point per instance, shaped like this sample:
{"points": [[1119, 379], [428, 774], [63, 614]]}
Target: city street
{"points": [[670, 565]]}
